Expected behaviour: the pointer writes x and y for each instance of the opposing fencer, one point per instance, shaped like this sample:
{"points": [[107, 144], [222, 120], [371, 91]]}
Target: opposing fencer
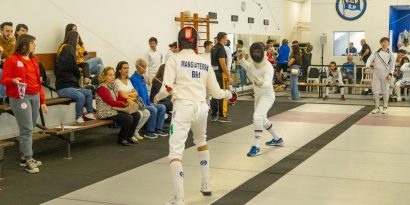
{"points": [[262, 72]]}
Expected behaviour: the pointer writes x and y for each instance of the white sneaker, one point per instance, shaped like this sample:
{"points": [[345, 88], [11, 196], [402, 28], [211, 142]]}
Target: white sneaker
{"points": [[175, 201], [90, 116], [80, 120], [138, 137], [384, 110], [376, 110], [31, 167], [206, 189]]}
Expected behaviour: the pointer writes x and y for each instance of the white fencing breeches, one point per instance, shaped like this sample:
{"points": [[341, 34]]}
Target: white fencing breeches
{"points": [[262, 105], [187, 115], [380, 85]]}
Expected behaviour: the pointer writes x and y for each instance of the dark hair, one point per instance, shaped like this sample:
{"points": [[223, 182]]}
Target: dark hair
{"points": [[240, 42], [5, 24], [173, 45], [228, 43], [285, 41], [118, 68], [334, 63], [160, 72], [402, 51], [220, 36], [296, 55], [295, 42], [404, 58], [23, 45], [207, 43], [69, 28], [384, 39], [269, 41], [18, 27], [153, 39], [71, 38]]}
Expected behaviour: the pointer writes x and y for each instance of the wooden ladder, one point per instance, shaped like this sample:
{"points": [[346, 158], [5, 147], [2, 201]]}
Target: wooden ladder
{"points": [[202, 25]]}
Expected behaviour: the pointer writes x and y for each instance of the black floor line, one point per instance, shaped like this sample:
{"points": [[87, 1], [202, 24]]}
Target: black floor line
{"points": [[249, 189], [96, 157]]}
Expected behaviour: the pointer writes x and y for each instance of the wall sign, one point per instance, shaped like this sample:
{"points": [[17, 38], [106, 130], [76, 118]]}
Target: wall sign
{"points": [[351, 9]]}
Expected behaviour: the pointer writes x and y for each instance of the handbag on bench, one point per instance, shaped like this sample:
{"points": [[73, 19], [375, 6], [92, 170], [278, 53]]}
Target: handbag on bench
{"points": [[139, 105]]}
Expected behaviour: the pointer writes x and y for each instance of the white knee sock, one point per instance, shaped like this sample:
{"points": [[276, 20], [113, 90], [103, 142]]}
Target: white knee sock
{"points": [[204, 162], [386, 100], [178, 178], [342, 90], [327, 91], [376, 98], [258, 135], [269, 127]]}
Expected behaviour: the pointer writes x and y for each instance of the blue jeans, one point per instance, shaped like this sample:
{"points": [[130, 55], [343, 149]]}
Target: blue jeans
{"points": [[156, 118], [242, 74], [96, 65], [26, 111], [294, 89], [82, 97], [2, 87]]}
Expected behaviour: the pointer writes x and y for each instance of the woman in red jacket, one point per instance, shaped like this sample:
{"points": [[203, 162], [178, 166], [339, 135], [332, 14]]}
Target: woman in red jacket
{"points": [[21, 76], [106, 98]]}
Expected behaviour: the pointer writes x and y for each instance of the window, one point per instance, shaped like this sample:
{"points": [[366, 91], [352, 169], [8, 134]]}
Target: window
{"points": [[341, 41]]}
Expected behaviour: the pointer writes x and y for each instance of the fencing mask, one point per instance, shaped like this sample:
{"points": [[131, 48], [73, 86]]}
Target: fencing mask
{"points": [[257, 52]]}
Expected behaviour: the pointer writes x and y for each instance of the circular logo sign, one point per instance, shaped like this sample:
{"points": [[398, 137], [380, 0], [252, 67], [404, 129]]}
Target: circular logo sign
{"points": [[351, 9]]}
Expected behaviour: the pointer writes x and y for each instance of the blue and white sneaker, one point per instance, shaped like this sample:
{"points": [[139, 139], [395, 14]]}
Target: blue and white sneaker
{"points": [[273, 142], [255, 151]]}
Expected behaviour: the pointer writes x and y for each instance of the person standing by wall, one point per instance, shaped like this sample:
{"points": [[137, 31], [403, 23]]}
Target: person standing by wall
{"points": [[295, 61], [365, 52]]}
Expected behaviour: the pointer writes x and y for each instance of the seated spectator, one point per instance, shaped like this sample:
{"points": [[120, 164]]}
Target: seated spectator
{"points": [[91, 65], [154, 126], [21, 71], [348, 71], [108, 97], [351, 50], [68, 77], [126, 90], [7, 40], [156, 87], [400, 54], [334, 78], [405, 74], [173, 48], [20, 30]]}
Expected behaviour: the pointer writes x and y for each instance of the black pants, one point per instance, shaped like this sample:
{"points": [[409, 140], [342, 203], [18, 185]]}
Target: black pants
{"points": [[128, 124], [217, 105]]}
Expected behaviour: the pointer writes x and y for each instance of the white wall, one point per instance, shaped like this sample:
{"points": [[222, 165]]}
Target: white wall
{"points": [[119, 30], [325, 20]]}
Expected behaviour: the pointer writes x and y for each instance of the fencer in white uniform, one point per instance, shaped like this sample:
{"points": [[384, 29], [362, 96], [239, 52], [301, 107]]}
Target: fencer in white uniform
{"points": [[189, 76], [383, 68], [405, 81], [334, 78], [262, 73]]}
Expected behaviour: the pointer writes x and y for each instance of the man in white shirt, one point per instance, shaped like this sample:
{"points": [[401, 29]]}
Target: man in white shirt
{"points": [[154, 59], [208, 48], [188, 76], [173, 48], [383, 68]]}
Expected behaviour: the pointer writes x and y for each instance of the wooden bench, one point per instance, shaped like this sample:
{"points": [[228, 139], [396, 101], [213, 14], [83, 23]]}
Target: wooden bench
{"points": [[49, 59], [62, 133], [4, 144]]}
